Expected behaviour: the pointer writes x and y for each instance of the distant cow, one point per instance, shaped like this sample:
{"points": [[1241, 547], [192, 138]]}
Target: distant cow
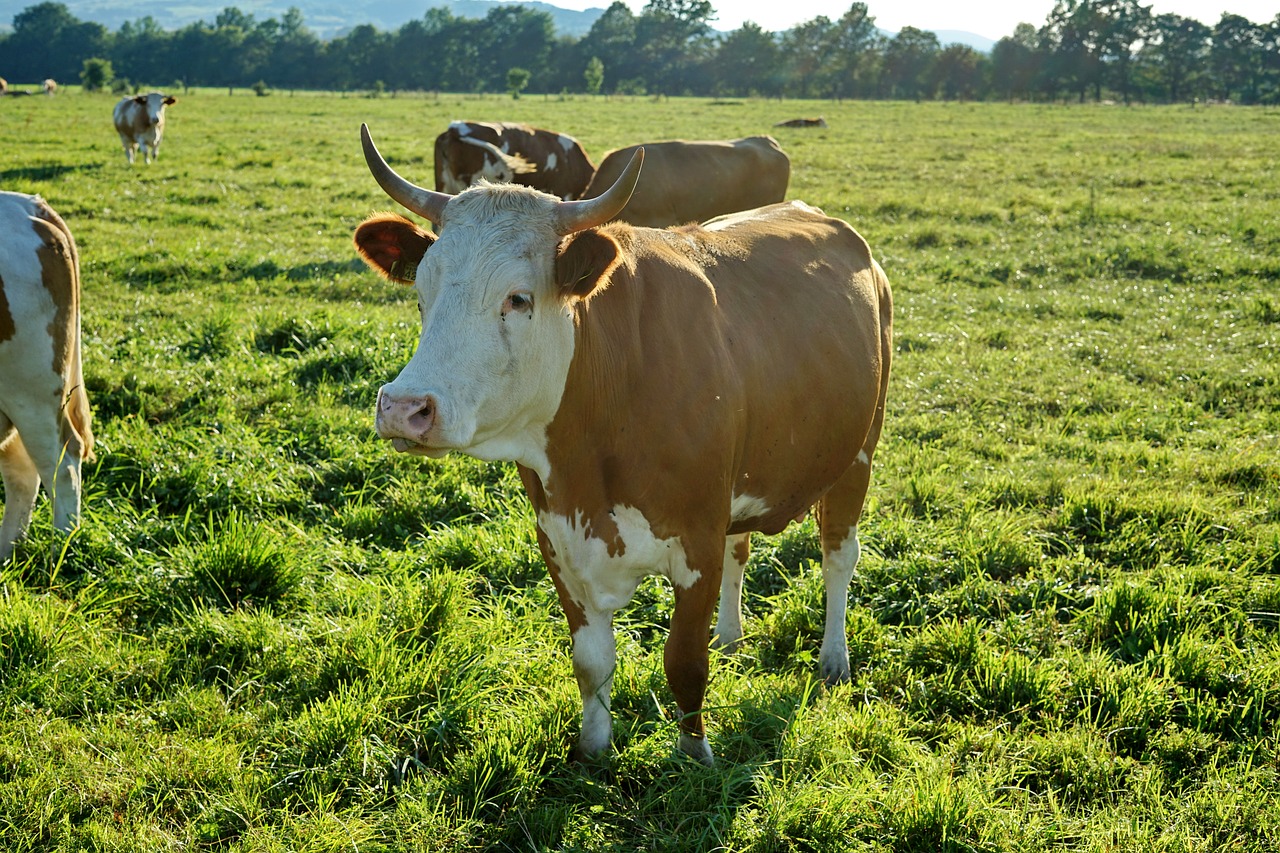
{"points": [[803, 122], [44, 411], [511, 153], [664, 393], [4, 86], [694, 181], [50, 86], [140, 122]]}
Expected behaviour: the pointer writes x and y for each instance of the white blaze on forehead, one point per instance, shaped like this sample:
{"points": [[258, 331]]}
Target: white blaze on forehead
{"points": [[600, 581]]}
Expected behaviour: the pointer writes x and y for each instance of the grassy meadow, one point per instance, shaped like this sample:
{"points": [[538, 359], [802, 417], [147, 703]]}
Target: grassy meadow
{"points": [[271, 633]]}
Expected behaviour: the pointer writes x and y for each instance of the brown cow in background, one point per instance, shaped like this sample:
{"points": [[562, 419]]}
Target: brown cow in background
{"points": [[694, 181]]}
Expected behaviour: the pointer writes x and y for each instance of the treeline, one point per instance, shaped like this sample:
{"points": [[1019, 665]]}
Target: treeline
{"points": [[1085, 49]]}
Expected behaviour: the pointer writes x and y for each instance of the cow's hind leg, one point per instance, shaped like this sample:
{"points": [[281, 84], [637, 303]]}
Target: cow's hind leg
{"points": [[56, 448], [838, 516], [729, 618], [21, 483]]}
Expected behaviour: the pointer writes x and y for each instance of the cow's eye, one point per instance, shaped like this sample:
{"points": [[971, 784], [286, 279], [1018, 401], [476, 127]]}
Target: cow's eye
{"points": [[519, 301]]}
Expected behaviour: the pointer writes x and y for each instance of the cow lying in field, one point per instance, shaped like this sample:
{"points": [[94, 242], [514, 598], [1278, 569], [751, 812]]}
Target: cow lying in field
{"points": [[694, 181], [803, 122], [140, 122], [44, 412], [511, 153], [664, 394]]}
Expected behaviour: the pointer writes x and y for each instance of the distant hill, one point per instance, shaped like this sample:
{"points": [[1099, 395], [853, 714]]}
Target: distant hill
{"points": [[330, 18], [326, 18]]}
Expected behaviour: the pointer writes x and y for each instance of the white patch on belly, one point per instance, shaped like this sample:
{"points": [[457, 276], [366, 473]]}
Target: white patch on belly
{"points": [[747, 507], [598, 581], [551, 161]]}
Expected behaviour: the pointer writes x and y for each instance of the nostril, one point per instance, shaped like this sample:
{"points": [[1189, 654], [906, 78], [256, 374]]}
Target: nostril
{"points": [[425, 415]]}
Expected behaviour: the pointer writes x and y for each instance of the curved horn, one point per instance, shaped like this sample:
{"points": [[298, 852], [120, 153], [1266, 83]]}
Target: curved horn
{"points": [[574, 216], [428, 204]]}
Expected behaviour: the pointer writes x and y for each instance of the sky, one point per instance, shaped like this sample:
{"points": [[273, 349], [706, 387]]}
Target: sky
{"points": [[991, 18]]}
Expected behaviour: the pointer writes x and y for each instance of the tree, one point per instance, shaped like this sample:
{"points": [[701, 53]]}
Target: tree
{"points": [[958, 72], [1015, 62], [593, 76], [672, 36], [1236, 58], [748, 60], [614, 35], [1120, 25], [517, 79], [805, 46], [97, 74], [48, 41], [512, 36], [1178, 53], [908, 62], [849, 41]]}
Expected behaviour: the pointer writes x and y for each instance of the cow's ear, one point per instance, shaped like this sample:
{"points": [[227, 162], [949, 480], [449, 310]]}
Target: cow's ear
{"points": [[170, 101], [393, 246], [140, 99], [584, 263]]}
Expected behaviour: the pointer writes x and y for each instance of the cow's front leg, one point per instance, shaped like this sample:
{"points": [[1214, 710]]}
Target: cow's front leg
{"points": [[594, 661], [685, 660]]}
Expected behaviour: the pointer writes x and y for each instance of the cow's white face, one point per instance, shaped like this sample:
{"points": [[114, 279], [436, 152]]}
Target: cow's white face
{"points": [[154, 105], [496, 340], [497, 317]]}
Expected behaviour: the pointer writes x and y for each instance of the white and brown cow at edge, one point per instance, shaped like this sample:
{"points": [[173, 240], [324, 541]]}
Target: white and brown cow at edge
{"points": [[664, 393], [469, 151], [44, 412], [140, 122], [694, 181]]}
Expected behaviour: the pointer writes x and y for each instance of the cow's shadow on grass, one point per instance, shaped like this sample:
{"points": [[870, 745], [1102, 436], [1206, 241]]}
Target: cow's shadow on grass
{"points": [[49, 172]]}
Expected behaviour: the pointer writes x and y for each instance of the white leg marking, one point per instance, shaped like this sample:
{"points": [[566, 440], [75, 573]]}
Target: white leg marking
{"points": [[594, 659], [837, 573], [729, 616], [697, 748]]}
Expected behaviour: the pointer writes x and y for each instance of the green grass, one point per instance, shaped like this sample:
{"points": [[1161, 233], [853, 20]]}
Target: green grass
{"points": [[273, 634]]}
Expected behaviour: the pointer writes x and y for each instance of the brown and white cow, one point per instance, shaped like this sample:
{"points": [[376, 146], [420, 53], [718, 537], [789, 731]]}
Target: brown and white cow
{"points": [[44, 412], [664, 394], [803, 122], [511, 153], [140, 123], [694, 181]]}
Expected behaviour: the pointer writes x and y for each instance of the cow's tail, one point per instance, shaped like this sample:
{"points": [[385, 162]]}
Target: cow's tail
{"points": [[76, 418], [884, 295]]}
